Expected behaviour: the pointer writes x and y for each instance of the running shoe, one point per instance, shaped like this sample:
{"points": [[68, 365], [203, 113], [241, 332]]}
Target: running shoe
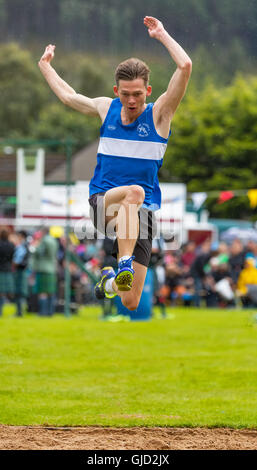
{"points": [[125, 274], [100, 292]]}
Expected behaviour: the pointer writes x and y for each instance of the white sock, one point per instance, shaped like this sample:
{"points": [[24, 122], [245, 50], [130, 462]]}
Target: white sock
{"points": [[124, 258], [108, 285]]}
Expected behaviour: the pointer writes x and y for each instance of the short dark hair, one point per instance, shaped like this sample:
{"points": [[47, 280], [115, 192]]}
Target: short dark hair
{"points": [[131, 69], [22, 233], [4, 235]]}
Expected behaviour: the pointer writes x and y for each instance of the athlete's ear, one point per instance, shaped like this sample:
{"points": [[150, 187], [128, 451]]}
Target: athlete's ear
{"points": [[115, 89], [149, 90]]}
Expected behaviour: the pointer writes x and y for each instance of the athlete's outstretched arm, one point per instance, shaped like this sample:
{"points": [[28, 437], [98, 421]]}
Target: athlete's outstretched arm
{"points": [[92, 106], [167, 104]]}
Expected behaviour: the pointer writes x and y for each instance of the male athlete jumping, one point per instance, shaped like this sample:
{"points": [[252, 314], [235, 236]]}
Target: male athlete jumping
{"points": [[124, 190]]}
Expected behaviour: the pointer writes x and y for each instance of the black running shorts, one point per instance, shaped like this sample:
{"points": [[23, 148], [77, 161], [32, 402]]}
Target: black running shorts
{"points": [[147, 228]]}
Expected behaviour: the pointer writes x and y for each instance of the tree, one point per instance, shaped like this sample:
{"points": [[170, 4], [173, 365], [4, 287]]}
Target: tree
{"points": [[115, 26], [213, 143], [59, 123], [22, 93]]}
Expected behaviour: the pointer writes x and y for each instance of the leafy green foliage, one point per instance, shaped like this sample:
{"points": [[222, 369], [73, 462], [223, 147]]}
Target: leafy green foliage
{"points": [[115, 26], [28, 108], [213, 145], [58, 123], [214, 132], [22, 91]]}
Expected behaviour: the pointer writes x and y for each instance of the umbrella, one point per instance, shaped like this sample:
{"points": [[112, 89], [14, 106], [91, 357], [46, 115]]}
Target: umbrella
{"points": [[236, 232]]}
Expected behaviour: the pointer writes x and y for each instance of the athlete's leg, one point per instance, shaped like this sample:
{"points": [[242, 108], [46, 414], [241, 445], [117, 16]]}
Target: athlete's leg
{"points": [[131, 299], [121, 206]]}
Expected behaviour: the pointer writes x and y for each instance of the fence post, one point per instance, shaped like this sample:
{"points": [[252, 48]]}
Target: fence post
{"points": [[67, 286]]}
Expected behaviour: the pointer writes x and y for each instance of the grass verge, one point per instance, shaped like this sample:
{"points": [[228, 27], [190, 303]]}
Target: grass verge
{"points": [[196, 368]]}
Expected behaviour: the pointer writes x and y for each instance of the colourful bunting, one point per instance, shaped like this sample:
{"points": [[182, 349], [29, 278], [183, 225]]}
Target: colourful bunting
{"points": [[198, 199], [252, 194], [225, 196]]}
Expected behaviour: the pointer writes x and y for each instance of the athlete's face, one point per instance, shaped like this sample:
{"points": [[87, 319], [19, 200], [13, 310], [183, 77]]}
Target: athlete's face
{"points": [[132, 94]]}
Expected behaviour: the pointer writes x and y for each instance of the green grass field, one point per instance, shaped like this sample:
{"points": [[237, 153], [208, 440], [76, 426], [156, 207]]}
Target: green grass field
{"points": [[197, 368]]}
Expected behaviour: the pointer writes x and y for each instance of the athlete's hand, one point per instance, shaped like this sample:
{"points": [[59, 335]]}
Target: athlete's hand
{"points": [[155, 27], [48, 54]]}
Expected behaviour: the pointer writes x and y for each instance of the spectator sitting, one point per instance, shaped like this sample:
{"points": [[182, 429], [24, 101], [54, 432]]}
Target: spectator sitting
{"points": [[81, 251], [211, 296], [224, 285], [247, 283], [173, 275], [218, 282], [236, 259], [251, 250], [197, 270], [223, 249], [184, 291]]}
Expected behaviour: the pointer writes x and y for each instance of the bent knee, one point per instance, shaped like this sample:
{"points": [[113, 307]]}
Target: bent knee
{"points": [[135, 194]]}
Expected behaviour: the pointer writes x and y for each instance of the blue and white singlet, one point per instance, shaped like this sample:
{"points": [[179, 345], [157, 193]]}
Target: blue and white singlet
{"points": [[129, 154]]}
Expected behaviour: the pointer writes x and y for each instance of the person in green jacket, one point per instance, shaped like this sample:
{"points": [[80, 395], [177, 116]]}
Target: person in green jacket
{"points": [[45, 267]]}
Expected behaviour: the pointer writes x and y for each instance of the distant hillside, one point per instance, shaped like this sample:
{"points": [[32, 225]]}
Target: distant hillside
{"points": [[116, 25]]}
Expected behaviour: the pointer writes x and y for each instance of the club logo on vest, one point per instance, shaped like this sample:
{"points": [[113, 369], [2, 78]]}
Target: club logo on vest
{"points": [[111, 127], [143, 130]]}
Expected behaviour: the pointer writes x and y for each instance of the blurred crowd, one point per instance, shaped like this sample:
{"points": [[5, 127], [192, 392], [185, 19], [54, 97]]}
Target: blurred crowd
{"points": [[210, 275], [33, 272]]}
